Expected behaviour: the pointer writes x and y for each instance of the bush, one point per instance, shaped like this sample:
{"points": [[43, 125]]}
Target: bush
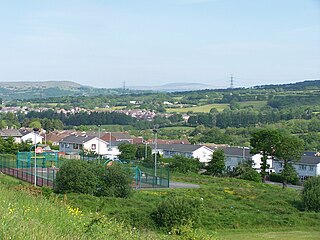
{"points": [[76, 176], [251, 175], [183, 164], [275, 177], [175, 212], [89, 178], [117, 181], [311, 194]]}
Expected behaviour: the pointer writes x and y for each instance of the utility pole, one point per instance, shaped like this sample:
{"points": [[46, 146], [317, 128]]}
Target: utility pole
{"points": [[231, 81], [155, 131], [99, 129]]}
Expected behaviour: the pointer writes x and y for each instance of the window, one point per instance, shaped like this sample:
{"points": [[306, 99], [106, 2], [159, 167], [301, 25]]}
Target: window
{"points": [[75, 146], [311, 168], [302, 167], [93, 146]]}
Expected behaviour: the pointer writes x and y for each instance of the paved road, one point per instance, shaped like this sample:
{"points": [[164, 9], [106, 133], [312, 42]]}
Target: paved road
{"points": [[289, 185], [183, 185]]}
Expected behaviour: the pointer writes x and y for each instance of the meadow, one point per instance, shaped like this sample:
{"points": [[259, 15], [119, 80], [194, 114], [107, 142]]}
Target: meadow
{"points": [[230, 209], [197, 109]]}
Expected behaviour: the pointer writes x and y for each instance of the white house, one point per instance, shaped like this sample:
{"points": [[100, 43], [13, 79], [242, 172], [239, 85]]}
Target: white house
{"points": [[31, 136], [203, 153], [73, 144], [308, 166], [236, 155]]}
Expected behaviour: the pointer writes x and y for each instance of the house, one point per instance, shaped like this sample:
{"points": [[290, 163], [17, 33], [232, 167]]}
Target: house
{"points": [[6, 133], [308, 166], [236, 155], [55, 136], [30, 136], [203, 153], [73, 144], [116, 137]]}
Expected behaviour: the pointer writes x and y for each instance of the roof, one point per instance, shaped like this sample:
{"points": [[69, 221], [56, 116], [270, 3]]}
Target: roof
{"points": [[237, 151], [77, 139], [10, 133], [120, 135], [179, 147], [310, 160]]}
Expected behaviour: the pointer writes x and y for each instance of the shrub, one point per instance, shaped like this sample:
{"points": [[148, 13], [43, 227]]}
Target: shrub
{"points": [[76, 176], [251, 175], [276, 177], [183, 164], [117, 181], [175, 212], [311, 194]]}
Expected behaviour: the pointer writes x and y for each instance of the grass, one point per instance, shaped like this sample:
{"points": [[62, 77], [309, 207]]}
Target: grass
{"points": [[254, 104], [231, 209], [203, 108]]}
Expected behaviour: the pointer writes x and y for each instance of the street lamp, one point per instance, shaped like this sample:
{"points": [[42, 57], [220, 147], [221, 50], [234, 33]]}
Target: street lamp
{"points": [[155, 131], [99, 128], [35, 130]]}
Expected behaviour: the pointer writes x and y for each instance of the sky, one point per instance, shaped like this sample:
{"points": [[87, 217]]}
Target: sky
{"points": [[103, 43]]}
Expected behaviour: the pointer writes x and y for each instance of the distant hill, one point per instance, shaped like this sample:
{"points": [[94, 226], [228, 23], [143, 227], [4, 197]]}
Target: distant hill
{"points": [[45, 89], [173, 87]]}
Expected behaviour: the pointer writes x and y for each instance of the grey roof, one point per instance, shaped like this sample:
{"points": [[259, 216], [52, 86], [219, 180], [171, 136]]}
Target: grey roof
{"points": [[24, 132], [76, 139], [237, 151], [179, 147], [10, 133], [310, 159]]}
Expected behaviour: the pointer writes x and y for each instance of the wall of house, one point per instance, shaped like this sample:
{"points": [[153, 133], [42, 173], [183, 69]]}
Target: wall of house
{"points": [[303, 170], [31, 137], [97, 146], [69, 148], [203, 154]]}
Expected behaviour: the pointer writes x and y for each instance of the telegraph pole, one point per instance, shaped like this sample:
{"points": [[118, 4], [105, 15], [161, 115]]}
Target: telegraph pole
{"points": [[231, 81]]}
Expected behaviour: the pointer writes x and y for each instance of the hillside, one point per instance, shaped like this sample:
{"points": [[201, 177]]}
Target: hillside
{"points": [[231, 209]]}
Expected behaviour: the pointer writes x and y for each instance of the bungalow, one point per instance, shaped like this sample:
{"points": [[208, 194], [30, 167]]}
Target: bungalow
{"points": [[308, 166], [73, 144], [31, 136], [6, 133], [203, 153]]}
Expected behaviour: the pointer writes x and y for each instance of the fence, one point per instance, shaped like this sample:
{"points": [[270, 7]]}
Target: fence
{"points": [[42, 173], [151, 177]]}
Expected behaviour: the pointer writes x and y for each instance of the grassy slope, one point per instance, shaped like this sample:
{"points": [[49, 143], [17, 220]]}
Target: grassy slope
{"points": [[232, 209], [203, 108]]}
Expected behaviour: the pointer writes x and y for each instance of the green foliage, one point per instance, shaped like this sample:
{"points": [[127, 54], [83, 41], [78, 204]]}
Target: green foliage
{"points": [[118, 181], [76, 176], [265, 141], [251, 175], [175, 212], [128, 151], [311, 194], [216, 166], [289, 175], [183, 164]]}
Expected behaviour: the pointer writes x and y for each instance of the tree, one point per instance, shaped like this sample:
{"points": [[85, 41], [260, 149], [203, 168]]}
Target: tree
{"points": [[216, 166], [128, 151], [184, 164], [289, 149], [311, 194], [77, 176], [141, 152], [265, 142], [118, 181]]}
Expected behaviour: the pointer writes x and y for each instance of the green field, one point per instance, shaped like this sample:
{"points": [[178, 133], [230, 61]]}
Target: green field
{"points": [[231, 209], [203, 108], [254, 104]]}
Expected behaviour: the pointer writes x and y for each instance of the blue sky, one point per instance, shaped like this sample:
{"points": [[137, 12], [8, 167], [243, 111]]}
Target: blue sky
{"points": [[103, 43]]}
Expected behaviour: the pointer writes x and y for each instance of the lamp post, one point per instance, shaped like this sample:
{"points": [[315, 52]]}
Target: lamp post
{"points": [[35, 130], [99, 130], [146, 151], [155, 131]]}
